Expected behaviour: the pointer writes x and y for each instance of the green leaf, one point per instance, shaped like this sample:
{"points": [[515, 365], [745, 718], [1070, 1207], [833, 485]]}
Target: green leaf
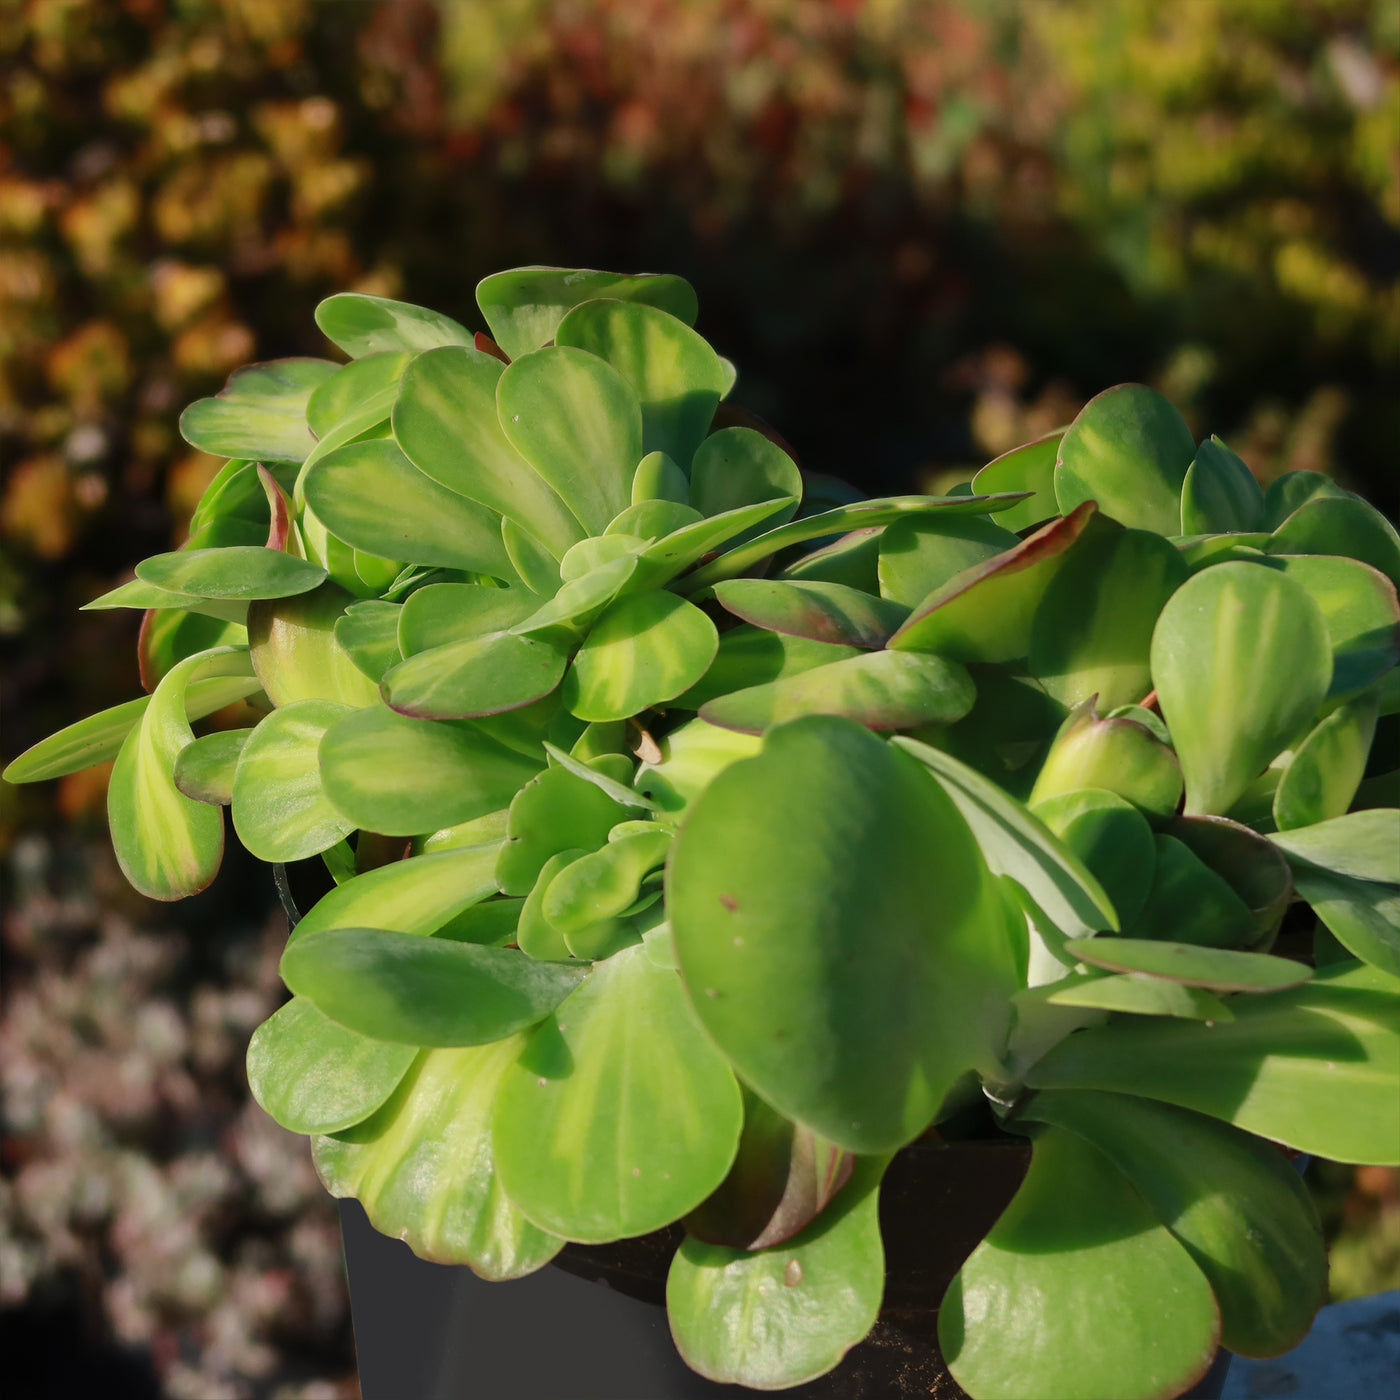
{"points": [[372, 497], [777, 1317], [1220, 493], [314, 1076], [1240, 661], [361, 324], [423, 991], [169, 635], [658, 478], [690, 757], [751, 656], [260, 414], [662, 560], [644, 649], [455, 612], [1030, 467], [852, 560], [1138, 994], [620, 1115], [358, 395], [236, 491], [738, 467], [1190, 902], [1288, 492], [99, 737], [401, 776], [677, 377], [280, 809], [596, 551], [555, 811], [296, 652], [1093, 629], [424, 1171], [605, 883], [1363, 916], [479, 676], [823, 612], [879, 689], [653, 520], [524, 306], [204, 769], [984, 613], [784, 866], [578, 424], [535, 935], [446, 422], [1078, 1290], [136, 594], [1251, 865], [1362, 845], [1344, 525], [917, 556], [238, 572], [1325, 771], [1129, 450], [1238, 1207], [1219, 969], [167, 844], [1313, 1067], [1016, 844], [368, 633], [1111, 837]]}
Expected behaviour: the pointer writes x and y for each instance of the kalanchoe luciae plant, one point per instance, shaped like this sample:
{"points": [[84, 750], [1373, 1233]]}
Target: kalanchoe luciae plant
{"points": [[689, 868]]}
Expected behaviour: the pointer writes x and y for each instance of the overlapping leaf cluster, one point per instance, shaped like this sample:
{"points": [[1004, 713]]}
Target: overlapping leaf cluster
{"points": [[697, 848]]}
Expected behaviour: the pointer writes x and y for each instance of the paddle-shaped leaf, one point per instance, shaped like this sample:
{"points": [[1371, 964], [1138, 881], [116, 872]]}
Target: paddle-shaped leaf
{"points": [[768, 923], [260, 414], [524, 306], [578, 424], [1220, 493], [823, 612], [1111, 837], [917, 556], [1362, 845], [401, 776], [658, 478], [1344, 525], [169, 635], [620, 1115], [1220, 969], [453, 612], [138, 594], [238, 572], [604, 884], [368, 633], [204, 770], [1129, 450], [1189, 902], [1031, 468], [357, 395], [644, 649], [1252, 866], [445, 420], [879, 689], [677, 377], [555, 811], [751, 656], [314, 1076], [1137, 993], [1363, 916], [1327, 767], [361, 324], [1238, 1207], [1240, 662], [1313, 1067], [423, 1168], [672, 554], [1294, 489], [296, 652], [738, 467], [167, 844], [479, 676], [372, 497], [653, 520], [777, 1317]]}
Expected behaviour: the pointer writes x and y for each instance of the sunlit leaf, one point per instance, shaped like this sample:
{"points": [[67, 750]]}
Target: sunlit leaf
{"points": [[1139, 994], [555, 811], [479, 676], [1288, 492], [1363, 916], [752, 656], [1220, 493], [147, 596], [605, 883], [204, 769], [1327, 767], [296, 652], [653, 520], [1111, 837], [361, 324], [1219, 969], [658, 478], [237, 572], [917, 556], [260, 414], [1344, 525], [1363, 845], [368, 633], [672, 554], [823, 612], [1030, 467], [357, 395], [169, 635], [737, 467]]}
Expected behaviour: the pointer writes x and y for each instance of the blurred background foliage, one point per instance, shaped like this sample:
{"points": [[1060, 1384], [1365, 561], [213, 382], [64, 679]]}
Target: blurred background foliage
{"points": [[926, 230]]}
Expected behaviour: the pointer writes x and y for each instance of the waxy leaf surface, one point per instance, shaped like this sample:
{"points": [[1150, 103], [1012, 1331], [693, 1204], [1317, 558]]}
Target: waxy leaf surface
{"points": [[738, 467], [297, 653], [361, 324], [1139, 994], [1220, 969], [1362, 845], [917, 556], [1344, 525], [483, 675], [204, 770], [1030, 467], [1327, 767], [555, 811], [237, 572], [260, 414], [368, 633], [822, 612], [1220, 493]]}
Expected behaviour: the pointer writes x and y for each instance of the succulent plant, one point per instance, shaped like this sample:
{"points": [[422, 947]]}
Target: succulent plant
{"points": [[699, 843]]}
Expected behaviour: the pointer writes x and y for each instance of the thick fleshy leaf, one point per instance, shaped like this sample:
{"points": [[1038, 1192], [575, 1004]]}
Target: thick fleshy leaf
{"points": [[1093, 629], [168, 845], [555, 811], [147, 596], [1030, 467], [314, 1076], [658, 478], [357, 395], [296, 653], [578, 424], [822, 612], [372, 497], [454, 612], [777, 1317], [1240, 662], [1363, 845], [985, 612], [1078, 1291], [738, 467], [767, 924], [1111, 837], [423, 1168], [752, 656], [204, 770], [237, 572], [653, 520], [1238, 1207], [880, 689], [596, 551], [479, 676], [593, 771], [368, 633], [524, 306], [1219, 969], [1344, 525], [280, 808], [690, 757], [1327, 767], [1313, 1067], [1200, 551], [361, 324], [620, 1115], [537, 567], [672, 554], [169, 635], [1189, 902], [535, 935], [852, 559], [260, 414], [917, 556], [424, 991], [234, 492], [644, 649], [1129, 450], [1139, 994], [401, 776], [1016, 844], [1251, 865], [1220, 493], [677, 377], [1288, 492], [445, 420], [604, 884], [1363, 916]]}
